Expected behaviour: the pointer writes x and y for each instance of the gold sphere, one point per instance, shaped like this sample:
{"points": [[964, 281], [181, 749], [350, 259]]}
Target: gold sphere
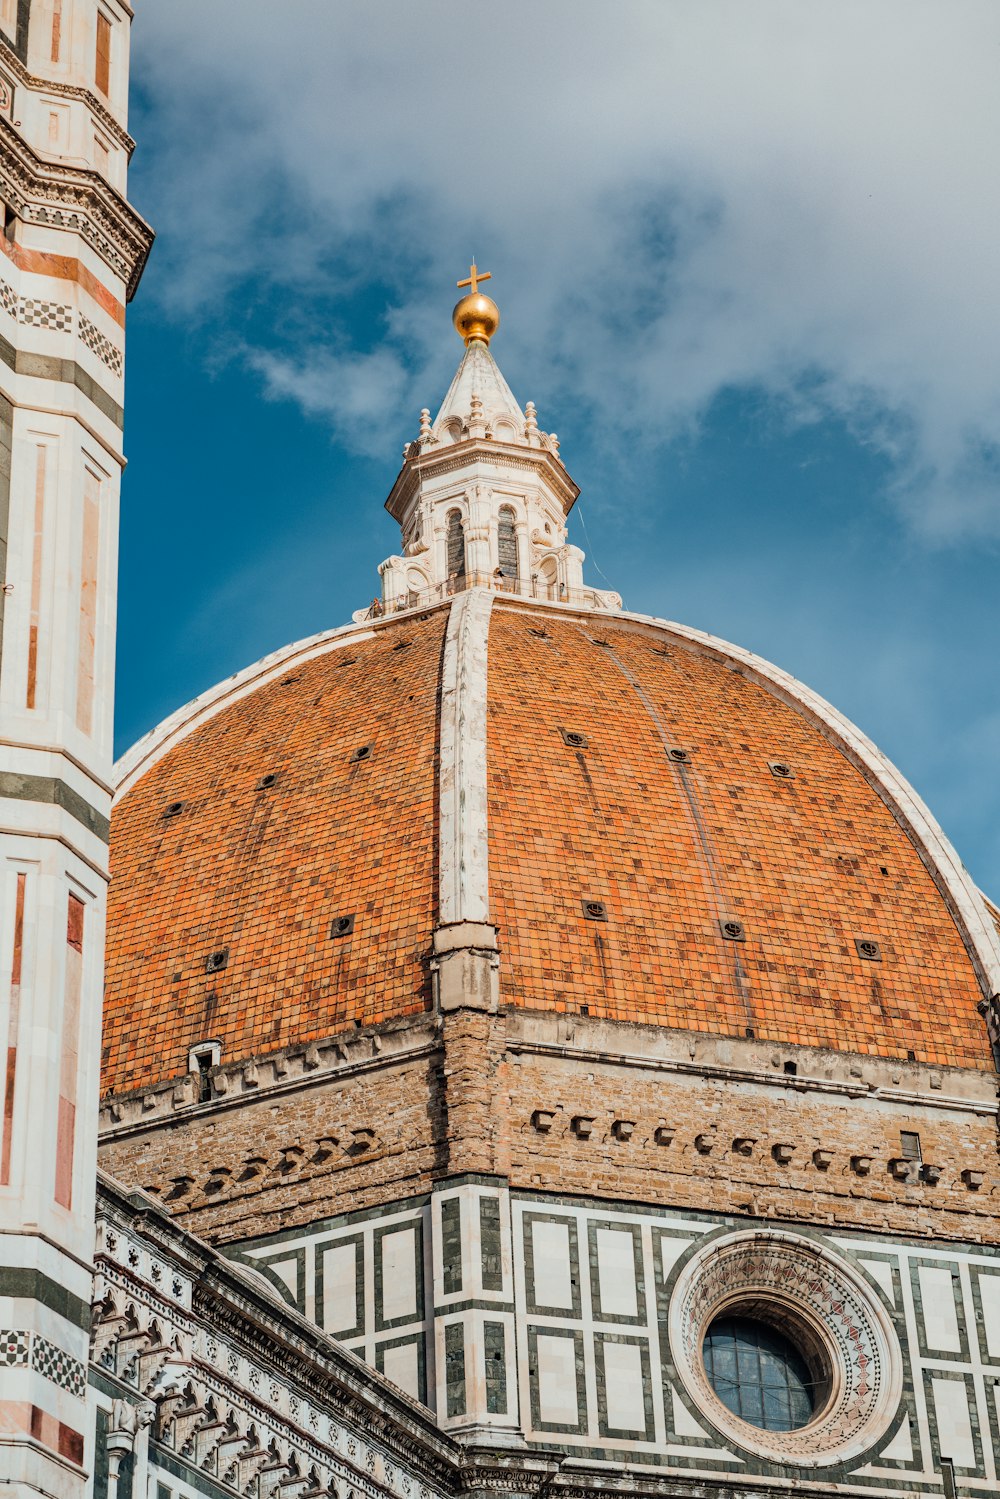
{"points": [[476, 317]]}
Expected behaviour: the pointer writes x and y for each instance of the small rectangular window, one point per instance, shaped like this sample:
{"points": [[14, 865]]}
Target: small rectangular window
{"points": [[909, 1142], [102, 65]]}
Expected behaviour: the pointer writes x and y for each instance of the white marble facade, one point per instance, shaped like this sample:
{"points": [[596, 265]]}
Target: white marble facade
{"points": [[565, 1312]]}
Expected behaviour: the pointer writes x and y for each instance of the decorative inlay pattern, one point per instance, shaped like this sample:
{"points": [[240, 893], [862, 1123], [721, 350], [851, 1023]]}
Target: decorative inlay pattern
{"points": [[816, 1289], [13, 1349], [38, 314], [34, 312], [56, 1364], [18, 1350], [96, 342]]}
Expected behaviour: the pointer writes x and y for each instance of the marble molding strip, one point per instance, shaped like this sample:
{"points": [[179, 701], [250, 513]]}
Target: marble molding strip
{"points": [[463, 842]]}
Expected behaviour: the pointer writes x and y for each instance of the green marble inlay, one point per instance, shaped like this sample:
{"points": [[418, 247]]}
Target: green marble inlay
{"points": [[451, 1244], [454, 1367], [495, 1353], [489, 1237]]}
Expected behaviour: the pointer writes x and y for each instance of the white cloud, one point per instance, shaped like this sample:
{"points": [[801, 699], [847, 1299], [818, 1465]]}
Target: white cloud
{"points": [[675, 199]]}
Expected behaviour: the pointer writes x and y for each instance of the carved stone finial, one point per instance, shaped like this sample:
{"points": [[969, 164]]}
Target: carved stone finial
{"points": [[425, 424]]}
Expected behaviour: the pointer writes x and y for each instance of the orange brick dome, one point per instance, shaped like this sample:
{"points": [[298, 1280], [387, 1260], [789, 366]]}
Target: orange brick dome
{"points": [[662, 829]]}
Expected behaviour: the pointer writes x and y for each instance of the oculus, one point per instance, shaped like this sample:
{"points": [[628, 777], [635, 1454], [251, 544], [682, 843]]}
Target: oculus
{"points": [[785, 1348]]}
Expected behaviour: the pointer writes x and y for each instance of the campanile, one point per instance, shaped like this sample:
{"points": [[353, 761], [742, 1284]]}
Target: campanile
{"points": [[72, 250]]}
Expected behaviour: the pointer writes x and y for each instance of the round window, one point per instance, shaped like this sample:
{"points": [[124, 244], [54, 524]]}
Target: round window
{"points": [[759, 1374], [784, 1348]]}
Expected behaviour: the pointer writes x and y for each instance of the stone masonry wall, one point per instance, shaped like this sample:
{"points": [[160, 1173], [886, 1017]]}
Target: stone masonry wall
{"points": [[691, 1123]]}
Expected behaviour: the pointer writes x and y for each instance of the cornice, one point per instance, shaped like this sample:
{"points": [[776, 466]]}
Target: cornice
{"points": [[69, 91], [908, 1098], [75, 198], [461, 455], [313, 1064], [227, 1301]]}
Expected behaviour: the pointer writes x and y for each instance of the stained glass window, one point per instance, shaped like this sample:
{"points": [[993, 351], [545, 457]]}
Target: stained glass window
{"points": [[758, 1374]]}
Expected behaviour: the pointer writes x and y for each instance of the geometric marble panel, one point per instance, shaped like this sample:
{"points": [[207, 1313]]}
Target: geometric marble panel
{"points": [[989, 1291], [616, 1274], [340, 1289], [557, 1397], [625, 1387], [401, 1364], [551, 1255], [399, 1273], [938, 1299], [881, 1273], [951, 1407]]}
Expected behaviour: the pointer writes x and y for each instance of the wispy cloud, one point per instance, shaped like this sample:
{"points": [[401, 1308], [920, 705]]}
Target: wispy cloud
{"points": [[675, 200]]}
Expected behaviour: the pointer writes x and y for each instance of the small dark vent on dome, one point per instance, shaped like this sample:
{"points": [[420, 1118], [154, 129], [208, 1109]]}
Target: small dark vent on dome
{"points": [[595, 910], [540, 634], [342, 926], [266, 782], [661, 650], [402, 645], [868, 948], [733, 931], [574, 739], [347, 661], [290, 681], [679, 756], [363, 752], [174, 809], [781, 770], [217, 960], [605, 643]]}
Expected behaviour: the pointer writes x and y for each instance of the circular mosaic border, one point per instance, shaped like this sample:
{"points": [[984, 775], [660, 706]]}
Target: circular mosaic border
{"points": [[810, 1293]]}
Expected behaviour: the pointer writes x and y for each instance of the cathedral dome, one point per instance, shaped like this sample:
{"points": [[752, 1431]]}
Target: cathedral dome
{"points": [[659, 828]]}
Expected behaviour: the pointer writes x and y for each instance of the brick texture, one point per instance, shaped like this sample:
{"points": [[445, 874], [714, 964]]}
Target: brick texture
{"points": [[807, 864], [468, 1106], [263, 872]]}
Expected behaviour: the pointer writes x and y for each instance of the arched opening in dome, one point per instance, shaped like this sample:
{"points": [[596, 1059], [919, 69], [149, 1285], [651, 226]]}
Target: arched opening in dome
{"points": [[456, 549], [416, 583], [549, 577], [507, 547]]}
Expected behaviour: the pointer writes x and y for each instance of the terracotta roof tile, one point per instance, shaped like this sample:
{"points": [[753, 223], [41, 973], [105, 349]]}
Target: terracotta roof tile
{"points": [[808, 864], [264, 872]]}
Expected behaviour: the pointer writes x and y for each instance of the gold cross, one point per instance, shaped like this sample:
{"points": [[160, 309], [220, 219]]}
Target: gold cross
{"points": [[474, 278]]}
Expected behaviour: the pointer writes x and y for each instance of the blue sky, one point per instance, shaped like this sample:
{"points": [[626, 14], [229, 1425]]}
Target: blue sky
{"points": [[746, 257]]}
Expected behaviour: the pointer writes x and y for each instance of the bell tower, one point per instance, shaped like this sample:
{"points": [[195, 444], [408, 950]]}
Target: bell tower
{"points": [[72, 250], [483, 495]]}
